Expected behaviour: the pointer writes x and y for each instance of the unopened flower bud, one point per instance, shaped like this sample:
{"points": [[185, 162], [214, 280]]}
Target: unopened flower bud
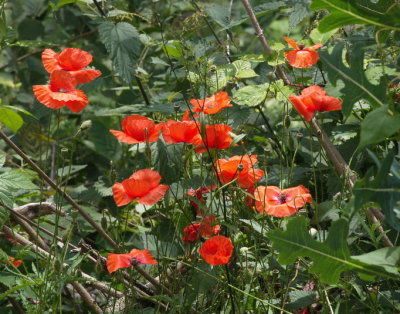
{"points": [[86, 125]]}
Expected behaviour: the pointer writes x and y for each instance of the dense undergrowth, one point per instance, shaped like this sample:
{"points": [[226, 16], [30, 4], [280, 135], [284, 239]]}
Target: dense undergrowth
{"points": [[199, 156]]}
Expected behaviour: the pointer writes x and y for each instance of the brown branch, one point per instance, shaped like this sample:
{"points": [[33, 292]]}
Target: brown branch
{"points": [[332, 153], [36, 210], [50, 182]]}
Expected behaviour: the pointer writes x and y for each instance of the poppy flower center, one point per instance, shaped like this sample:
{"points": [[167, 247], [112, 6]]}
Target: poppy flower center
{"points": [[62, 90], [301, 46], [134, 261], [240, 167], [282, 198]]}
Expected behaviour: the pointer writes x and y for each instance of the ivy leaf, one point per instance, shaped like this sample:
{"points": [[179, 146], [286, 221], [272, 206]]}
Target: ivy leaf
{"points": [[378, 125], [123, 44], [11, 119], [331, 257], [356, 84], [383, 13]]}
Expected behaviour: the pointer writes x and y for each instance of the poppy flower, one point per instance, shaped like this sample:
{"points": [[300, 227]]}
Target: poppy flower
{"points": [[73, 60], [61, 92], [240, 167], [179, 131], [211, 104], [281, 203], [206, 228], [301, 57], [143, 186], [217, 250], [11, 260], [134, 257], [137, 129], [198, 194], [216, 136], [312, 99]]}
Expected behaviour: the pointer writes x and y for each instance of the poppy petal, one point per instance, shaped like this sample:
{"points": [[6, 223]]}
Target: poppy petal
{"points": [[60, 79], [291, 42], [123, 137], [50, 60], [78, 104], [85, 76], [149, 176], [142, 256], [154, 195], [74, 59], [42, 94], [121, 198], [314, 47], [118, 261], [306, 111], [217, 250]]}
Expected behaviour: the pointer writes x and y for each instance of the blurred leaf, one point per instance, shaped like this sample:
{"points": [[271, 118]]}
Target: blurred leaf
{"points": [[123, 44], [251, 95], [102, 141], [381, 13], [378, 125], [299, 299], [299, 12], [17, 179], [243, 69], [318, 37], [11, 119], [356, 84], [331, 257], [69, 170]]}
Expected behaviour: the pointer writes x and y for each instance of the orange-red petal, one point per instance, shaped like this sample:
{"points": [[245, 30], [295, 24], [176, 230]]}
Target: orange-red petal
{"points": [[85, 76], [42, 94], [306, 110], [123, 137], [121, 198], [50, 60], [217, 250], [74, 59], [152, 177], [142, 256], [118, 261], [291, 42], [154, 195], [301, 58]]}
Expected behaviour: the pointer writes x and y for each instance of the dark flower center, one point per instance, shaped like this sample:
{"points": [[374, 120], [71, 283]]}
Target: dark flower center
{"points": [[240, 167], [282, 198], [301, 46]]}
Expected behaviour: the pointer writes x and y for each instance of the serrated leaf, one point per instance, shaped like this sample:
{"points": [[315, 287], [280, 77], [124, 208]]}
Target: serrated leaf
{"points": [[11, 119], [299, 12], [382, 13], [16, 179], [251, 95], [330, 258], [378, 125], [243, 69], [123, 44], [356, 84]]}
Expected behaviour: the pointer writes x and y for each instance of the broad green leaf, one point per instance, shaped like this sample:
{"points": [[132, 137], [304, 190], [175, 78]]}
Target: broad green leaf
{"points": [[6, 198], [356, 84], [251, 95], [330, 258], [298, 12], [17, 179], [69, 170], [319, 37], [123, 44], [11, 119], [381, 13], [378, 125], [243, 69], [2, 159]]}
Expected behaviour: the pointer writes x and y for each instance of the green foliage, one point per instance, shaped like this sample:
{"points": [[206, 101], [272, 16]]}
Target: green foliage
{"points": [[123, 45], [11, 119], [331, 257], [381, 13]]}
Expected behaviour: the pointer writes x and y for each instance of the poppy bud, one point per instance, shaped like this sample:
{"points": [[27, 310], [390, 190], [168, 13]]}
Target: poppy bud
{"points": [[287, 121], [104, 222], [85, 125], [177, 108]]}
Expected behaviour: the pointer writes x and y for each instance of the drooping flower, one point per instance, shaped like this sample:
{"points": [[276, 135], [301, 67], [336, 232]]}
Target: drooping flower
{"points": [[61, 92], [11, 260], [179, 131], [211, 104], [205, 229], [216, 136], [273, 201], [240, 167], [73, 60], [134, 257], [301, 57], [142, 186], [312, 99], [217, 250], [137, 129]]}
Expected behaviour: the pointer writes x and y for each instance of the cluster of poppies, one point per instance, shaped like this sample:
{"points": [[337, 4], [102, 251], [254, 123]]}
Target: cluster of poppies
{"points": [[67, 70]]}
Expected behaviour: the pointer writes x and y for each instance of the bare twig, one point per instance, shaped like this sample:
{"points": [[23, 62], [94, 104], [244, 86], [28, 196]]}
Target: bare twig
{"points": [[36, 210]]}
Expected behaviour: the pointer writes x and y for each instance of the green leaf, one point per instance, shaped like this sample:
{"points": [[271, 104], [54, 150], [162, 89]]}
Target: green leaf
{"points": [[251, 95], [17, 179], [299, 12], [243, 69], [331, 257], [378, 125], [11, 119], [123, 44], [356, 85], [69, 170], [319, 37], [382, 13]]}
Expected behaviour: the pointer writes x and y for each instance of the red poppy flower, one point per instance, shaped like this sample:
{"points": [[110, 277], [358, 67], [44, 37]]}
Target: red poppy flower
{"points": [[216, 136], [281, 203], [73, 60], [312, 99], [143, 186], [199, 195], [137, 129], [206, 228], [11, 260], [179, 131], [134, 257], [217, 250], [240, 167], [211, 104], [301, 57], [61, 92]]}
